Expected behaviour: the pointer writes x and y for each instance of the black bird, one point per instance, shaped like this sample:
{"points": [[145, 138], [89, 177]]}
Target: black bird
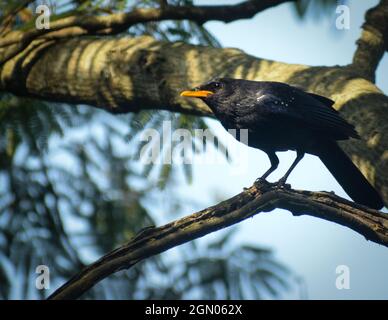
{"points": [[281, 117]]}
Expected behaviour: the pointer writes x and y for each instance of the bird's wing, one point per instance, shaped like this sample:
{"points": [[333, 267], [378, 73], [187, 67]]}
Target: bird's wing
{"points": [[326, 101], [310, 109]]}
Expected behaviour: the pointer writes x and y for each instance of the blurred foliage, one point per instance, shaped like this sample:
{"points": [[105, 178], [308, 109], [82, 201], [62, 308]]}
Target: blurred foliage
{"points": [[200, 272], [217, 270], [156, 119], [72, 188]]}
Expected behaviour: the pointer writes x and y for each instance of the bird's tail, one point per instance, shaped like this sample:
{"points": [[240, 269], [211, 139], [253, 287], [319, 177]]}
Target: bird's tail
{"points": [[348, 176]]}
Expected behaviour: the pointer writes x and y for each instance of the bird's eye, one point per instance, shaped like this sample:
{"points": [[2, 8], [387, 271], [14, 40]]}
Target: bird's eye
{"points": [[217, 85]]}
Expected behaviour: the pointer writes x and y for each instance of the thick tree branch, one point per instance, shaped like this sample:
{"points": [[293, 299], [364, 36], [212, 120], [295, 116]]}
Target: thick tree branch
{"points": [[118, 22], [373, 41], [372, 224]]}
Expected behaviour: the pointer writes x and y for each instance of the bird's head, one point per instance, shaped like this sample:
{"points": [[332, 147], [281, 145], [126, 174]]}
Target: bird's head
{"points": [[206, 90], [217, 89], [221, 94]]}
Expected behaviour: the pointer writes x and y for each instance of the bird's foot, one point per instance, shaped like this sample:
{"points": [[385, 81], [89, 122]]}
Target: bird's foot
{"points": [[261, 182], [282, 184]]}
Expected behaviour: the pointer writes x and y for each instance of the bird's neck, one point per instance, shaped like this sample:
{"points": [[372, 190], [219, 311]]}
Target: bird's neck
{"points": [[223, 111]]}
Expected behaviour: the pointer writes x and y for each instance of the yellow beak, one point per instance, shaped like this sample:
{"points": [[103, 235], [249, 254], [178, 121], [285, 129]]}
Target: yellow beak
{"points": [[196, 94]]}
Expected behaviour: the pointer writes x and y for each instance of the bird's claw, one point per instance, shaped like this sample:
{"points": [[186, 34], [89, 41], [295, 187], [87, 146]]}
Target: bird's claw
{"points": [[282, 184], [263, 184], [260, 182]]}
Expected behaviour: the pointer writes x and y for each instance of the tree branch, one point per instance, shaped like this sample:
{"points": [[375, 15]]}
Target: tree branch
{"points": [[118, 22], [373, 41], [264, 197]]}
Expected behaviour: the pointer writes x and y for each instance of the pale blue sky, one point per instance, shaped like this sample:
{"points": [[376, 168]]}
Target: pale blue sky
{"points": [[311, 247]]}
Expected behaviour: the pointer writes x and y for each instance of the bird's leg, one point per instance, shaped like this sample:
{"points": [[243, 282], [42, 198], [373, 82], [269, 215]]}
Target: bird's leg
{"points": [[274, 164], [299, 156]]}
